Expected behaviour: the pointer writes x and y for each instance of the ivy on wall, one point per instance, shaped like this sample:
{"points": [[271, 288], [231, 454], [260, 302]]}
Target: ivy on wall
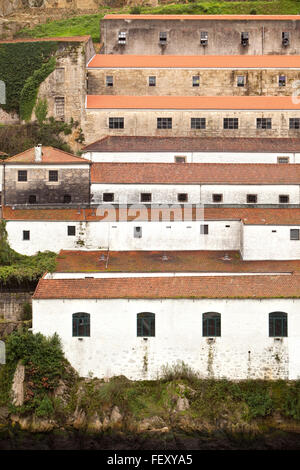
{"points": [[18, 63]]}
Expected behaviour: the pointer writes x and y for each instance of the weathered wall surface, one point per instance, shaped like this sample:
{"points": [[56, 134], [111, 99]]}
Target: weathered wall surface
{"points": [[243, 351], [183, 36], [12, 305], [175, 82], [72, 180], [144, 123]]}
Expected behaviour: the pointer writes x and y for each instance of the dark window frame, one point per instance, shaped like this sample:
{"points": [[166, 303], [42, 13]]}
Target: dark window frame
{"points": [[22, 175], [198, 123], [204, 229], [108, 197], [230, 123], [32, 199], [182, 197], [294, 123], [53, 175], [67, 198], [217, 196], [281, 198], [152, 80], [109, 80], [26, 235], [81, 324], [71, 230], [211, 324], [146, 197], [263, 123], [196, 80], [116, 123], [278, 324], [164, 123], [254, 196], [145, 324], [294, 234]]}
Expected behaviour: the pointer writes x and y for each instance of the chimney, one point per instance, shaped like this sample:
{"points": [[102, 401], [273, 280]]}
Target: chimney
{"points": [[38, 153]]}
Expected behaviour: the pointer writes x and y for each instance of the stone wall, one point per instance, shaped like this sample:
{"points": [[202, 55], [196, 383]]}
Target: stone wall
{"points": [[175, 82], [12, 305]]}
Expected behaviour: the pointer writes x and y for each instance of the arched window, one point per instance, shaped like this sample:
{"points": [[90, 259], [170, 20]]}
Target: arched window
{"points": [[278, 324], [145, 324], [81, 324], [211, 324]]}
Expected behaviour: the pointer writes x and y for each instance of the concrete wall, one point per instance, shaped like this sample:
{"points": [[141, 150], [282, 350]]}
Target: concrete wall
{"points": [[180, 82], [183, 36], [197, 193], [243, 351], [144, 123], [72, 180]]}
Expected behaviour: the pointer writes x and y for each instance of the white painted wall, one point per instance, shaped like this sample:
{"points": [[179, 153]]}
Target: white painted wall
{"points": [[191, 157], [197, 193], [118, 236], [263, 242], [243, 351]]}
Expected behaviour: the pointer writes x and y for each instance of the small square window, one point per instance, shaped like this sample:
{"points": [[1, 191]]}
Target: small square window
{"points": [[294, 123], [240, 80], [137, 232], [67, 199], [198, 123], [116, 123], [196, 80], [179, 159], [71, 230], [263, 123], [182, 197], [251, 198], [162, 38], [283, 159], [217, 197], [282, 80], [146, 197], [109, 80], [26, 234], [108, 197], [204, 229], [230, 123], [32, 199], [22, 175], [294, 234], [284, 199], [152, 81], [164, 123], [53, 175]]}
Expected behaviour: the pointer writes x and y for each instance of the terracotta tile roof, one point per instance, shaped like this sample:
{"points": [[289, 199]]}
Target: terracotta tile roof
{"points": [[114, 143], [3, 153], [195, 173], [54, 38], [249, 216], [203, 17], [190, 102], [200, 61], [49, 155], [170, 287], [178, 261]]}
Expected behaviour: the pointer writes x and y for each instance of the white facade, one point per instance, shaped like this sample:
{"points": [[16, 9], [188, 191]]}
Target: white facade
{"points": [[244, 349], [191, 157], [196, 193]]}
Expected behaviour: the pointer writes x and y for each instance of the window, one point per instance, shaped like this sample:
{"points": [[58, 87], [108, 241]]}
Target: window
{"points": [[60, 75], [203, 38], [263, 123], [211, 324], [164, 123], [152, 81], [81, 324], [22, 175], [53, 175], [284, 199], [182, 197], [122, 38], [109, 80], [231, 123], [146, 197], [217, 197], [204, 229], [294, 123], [179, 159], [71, 230], [137, 233], [198, 123], [277, 324], [251, 198], [294, 234], [285, 39], [26, 234], [162, 38], [145, 324], [240, 80], [116, 123], [67, 199], [196, 80], [60, 107], [282, 80], [108, 197], [283, 159], [32, 199], [245, 39]]}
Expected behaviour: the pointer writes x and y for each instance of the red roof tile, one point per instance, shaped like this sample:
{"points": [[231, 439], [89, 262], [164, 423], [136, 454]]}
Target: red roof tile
{"points": [[177, 261], [200, 61], [115, 143], [170, 287], [194, 173], [191, 102], [50, 155]]}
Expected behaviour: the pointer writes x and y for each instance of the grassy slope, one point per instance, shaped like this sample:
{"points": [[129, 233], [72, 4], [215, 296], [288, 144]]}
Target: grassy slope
{"points": [[89, 24]]}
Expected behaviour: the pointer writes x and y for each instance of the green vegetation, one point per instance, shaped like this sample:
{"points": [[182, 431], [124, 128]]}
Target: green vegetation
{"points": [[18, 269], [22, 68], [89, 24]]}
